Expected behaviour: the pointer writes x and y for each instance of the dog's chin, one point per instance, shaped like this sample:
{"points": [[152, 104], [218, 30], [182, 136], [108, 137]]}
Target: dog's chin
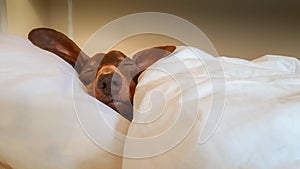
{"points": [[123, 108]]}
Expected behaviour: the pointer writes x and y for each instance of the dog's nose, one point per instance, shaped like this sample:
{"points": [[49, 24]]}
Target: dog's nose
{"points": [[110, 83]]}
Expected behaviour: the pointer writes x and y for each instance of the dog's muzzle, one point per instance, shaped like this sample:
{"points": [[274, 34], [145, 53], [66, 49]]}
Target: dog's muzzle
{"points": [[112, 88], [109, 84]]}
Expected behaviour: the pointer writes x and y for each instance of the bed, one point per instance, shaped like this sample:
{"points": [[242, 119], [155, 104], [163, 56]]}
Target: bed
{"points": [[193, 110]]}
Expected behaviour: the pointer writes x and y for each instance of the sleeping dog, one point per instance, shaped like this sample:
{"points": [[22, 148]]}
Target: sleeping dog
{"points": [[112, 77]]}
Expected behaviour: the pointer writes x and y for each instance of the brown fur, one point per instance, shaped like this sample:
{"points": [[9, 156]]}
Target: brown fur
{"points": [[112, 77]]}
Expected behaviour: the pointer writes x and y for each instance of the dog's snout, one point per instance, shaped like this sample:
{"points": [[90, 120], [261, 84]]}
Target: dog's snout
{"points": [[110, 83], [104, 83]]}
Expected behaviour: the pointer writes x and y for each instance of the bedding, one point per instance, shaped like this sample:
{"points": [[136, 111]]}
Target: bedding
{"points": [[42, 120], [193, 110], [199, 111]]}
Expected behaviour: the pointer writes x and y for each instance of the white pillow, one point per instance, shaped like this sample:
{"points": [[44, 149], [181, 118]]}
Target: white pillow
{"points": [[47, 120]]}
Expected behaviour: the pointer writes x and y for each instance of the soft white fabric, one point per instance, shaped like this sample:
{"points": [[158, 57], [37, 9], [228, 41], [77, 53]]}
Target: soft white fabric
{"points": [[196, 111], [47, 120], [193, 111]]}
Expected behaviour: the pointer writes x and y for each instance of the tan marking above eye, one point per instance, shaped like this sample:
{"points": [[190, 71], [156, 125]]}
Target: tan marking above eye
{"points": [[107, 69]]}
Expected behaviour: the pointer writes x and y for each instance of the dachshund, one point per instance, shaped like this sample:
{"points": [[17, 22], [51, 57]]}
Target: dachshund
{"points": [[112, 77]]}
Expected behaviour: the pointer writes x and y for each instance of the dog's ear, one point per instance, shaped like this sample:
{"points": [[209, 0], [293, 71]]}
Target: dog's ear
{"points": [[146, 58], [59, 44]]}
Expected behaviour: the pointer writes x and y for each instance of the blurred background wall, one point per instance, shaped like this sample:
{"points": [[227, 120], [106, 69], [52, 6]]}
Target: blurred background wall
{"points": [[22, 15], [237, 28]]}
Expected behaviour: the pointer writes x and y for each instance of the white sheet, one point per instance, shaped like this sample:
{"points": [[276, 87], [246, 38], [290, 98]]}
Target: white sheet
{"points": [[248, 114], [47, 120]]}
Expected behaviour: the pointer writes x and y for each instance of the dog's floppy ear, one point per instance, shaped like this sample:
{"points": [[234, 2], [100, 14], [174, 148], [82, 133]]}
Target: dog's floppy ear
{"points": [[146, 58], [59, 44]]}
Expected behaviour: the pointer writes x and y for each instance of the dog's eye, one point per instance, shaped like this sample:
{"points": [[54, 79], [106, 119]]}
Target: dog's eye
{"points": [[117, 82], [127, 64]]}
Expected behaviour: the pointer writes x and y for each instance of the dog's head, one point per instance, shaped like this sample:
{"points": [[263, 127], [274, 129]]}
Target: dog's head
{"points": [[113, 81], [110, 77], [113, 76]]}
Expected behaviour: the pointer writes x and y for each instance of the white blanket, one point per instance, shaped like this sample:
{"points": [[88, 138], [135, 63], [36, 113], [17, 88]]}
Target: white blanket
{"points": [[193, 111], [197, 111], [46, 117]]}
